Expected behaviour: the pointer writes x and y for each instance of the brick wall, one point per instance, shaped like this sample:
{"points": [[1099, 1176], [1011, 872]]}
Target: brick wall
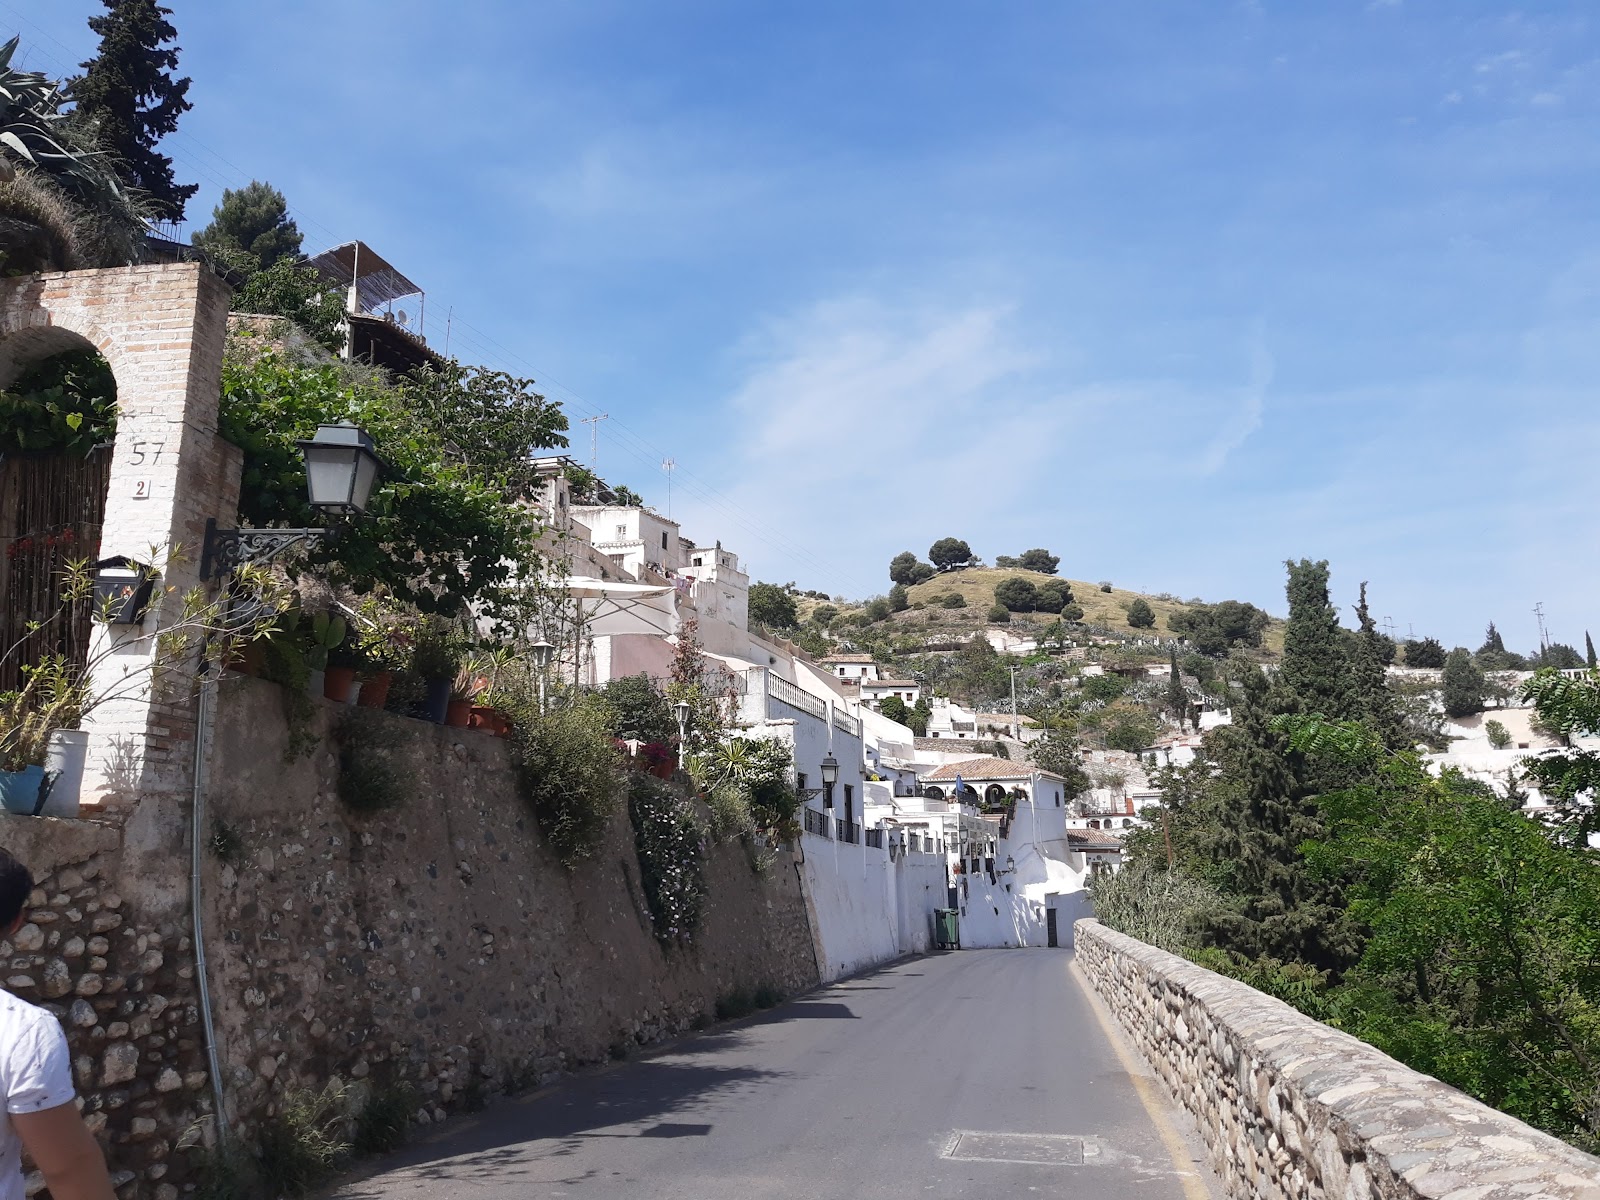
{"points": [[162, 328]]}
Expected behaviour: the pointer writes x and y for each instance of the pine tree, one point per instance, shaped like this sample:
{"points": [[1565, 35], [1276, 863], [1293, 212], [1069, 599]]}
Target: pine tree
{"points": [[1316, 665], [128, 94], [253, 221], [1588, 646], [1493, 643], [1375, 699]]}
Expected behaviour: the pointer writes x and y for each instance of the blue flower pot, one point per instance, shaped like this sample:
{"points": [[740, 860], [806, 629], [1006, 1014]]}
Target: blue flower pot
{"points": [[436, 700], [19, 790]]}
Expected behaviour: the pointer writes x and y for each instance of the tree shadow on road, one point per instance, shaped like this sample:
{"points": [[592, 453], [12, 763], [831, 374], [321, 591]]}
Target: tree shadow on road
{"points": [[519, 1139]]}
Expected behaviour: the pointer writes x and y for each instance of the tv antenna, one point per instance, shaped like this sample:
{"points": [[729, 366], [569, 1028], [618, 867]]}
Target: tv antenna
{"points": [[1544, 638], [594, 436], [669, 466]]}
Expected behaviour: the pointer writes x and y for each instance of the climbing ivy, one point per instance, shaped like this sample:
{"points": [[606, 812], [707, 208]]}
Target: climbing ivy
{"points": [[670, 841]]}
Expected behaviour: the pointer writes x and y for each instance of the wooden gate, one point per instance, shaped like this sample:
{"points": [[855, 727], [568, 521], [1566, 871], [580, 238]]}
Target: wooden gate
{"points": [[51, 509]]}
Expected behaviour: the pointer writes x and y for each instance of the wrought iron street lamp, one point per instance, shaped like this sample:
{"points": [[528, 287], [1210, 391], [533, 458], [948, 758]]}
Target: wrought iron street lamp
{"points": [[342, 465], [681, 709], [830, 776]]}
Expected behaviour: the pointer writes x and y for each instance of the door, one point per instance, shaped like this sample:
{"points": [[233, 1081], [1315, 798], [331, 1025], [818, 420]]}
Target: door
{"points": [[1050, 927]]}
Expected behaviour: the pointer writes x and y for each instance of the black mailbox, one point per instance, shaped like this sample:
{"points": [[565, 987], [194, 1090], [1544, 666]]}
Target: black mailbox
{"points": [[122, 590]]}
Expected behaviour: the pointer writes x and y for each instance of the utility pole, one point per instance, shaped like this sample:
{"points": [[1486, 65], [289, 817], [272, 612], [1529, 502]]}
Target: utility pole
{"points": [[1544, 638], [594, 436], [1016, 723], [669, 465]]}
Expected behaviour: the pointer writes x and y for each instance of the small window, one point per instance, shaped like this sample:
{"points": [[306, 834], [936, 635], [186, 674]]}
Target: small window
{"points": [[622, 533], [697, 562], [800, 780], [663, 539], [849, 793]]}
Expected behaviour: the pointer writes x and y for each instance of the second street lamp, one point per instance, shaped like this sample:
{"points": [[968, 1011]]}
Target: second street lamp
{"points": [[541, 651], [681, 709], [830, 776]]}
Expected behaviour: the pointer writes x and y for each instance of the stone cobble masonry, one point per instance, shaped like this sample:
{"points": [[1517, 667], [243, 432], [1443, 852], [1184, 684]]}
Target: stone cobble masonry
{"points": [[118, 970], [1292, 1109], [439, 944]]}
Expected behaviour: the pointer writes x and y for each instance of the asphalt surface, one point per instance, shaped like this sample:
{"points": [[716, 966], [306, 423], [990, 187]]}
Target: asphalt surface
{"points": [[934, 1077]]}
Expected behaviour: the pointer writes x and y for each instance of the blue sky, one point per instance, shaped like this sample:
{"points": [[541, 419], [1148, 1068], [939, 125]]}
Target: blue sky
{"points": [[1176, 291]]}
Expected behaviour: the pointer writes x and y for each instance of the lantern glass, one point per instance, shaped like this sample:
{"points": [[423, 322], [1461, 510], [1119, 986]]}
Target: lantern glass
{"points": [[341, 468], [830, 770]]}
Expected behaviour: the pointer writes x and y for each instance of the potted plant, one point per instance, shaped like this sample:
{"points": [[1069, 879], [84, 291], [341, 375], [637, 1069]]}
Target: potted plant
{"points": [[467, 686], [436, 658], [345, 662], [384, 640], [51, 698], [321, 635]]}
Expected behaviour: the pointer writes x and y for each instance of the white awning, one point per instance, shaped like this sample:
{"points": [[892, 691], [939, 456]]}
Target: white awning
{"points": [[624, 608]]}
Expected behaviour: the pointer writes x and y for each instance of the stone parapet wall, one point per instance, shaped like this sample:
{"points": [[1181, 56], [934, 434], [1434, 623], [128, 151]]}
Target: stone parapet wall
{"points": [[1291, 1108]]}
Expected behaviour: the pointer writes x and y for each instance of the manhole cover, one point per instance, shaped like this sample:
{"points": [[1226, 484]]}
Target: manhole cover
{"points": [[1045, 1149]]}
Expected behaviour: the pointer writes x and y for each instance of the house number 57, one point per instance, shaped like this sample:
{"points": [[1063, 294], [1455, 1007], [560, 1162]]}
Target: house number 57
{"points": [[139, 452]]}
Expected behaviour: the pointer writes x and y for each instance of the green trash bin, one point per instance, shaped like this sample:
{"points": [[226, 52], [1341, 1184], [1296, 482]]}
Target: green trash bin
{"points": [[946, 931]]}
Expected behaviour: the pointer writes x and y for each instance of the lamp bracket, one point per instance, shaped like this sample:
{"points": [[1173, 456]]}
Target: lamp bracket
{"points": [[225, 550]]}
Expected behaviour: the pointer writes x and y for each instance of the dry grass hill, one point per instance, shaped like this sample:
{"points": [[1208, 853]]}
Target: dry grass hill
{"points": [[976, 586]]}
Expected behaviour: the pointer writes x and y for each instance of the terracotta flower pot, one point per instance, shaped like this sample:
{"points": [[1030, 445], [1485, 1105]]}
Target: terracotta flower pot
{"points": [[458, 713], [248, 659], [337, 682], [375, 690], [484, 718]]}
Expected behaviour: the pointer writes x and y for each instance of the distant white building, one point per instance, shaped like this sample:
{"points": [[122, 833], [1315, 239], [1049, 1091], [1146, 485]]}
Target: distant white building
{"points": [[875, 691], [635, 539], [851, 666]]}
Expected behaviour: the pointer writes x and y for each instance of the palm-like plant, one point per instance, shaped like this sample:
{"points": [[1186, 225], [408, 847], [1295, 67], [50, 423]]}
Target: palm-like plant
{"points": [[62, 204]]}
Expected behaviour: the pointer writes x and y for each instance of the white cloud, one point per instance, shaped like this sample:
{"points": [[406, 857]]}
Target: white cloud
{"points": [[1246, 418]]}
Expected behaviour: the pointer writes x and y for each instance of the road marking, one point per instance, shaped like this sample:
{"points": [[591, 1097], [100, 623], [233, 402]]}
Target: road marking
{"points": [[1155, 1104]]}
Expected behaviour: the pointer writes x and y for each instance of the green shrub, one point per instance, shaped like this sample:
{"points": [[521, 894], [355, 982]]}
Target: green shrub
{"points": [[305, 1142], [952, 600], [384, 1123], [224, 1172], [1499, 735], [570, 774], [639, 710], [999, 615], [226, 843], [1164, 908], [731, 817], [670, 843], [1017, 595], [369, 780]]}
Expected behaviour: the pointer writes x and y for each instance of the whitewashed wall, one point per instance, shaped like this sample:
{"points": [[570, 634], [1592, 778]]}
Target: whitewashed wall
{"points": [[866, 910]]}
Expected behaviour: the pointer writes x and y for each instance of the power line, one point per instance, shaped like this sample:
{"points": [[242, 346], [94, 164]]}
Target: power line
{"points": [[184, 149]]}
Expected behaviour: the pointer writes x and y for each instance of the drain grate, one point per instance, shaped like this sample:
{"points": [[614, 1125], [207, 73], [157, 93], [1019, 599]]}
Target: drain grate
{"points": [[1041, 1149]]}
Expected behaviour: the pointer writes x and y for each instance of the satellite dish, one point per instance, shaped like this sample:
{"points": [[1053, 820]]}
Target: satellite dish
{"points": [[403, 318]]}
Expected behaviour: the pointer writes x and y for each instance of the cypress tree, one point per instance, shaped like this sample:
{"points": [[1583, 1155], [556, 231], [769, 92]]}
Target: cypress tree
{"points": [[1315, 676], [1375, 699], [1462, 684], [1588, 645], [1177, 698], [129, 95], [1493, 643]]}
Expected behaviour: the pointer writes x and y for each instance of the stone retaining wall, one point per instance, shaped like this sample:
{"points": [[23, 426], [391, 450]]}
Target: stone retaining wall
{"points": [[1291, 1108]]}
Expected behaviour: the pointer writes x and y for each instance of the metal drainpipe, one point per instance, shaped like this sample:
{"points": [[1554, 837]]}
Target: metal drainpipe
{"points": [[197, 840]]}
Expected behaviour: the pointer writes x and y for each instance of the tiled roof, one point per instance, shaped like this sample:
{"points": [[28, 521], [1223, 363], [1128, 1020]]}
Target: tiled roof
{"points": [[986, 767], [888, 683], [1092, 839], [849, 658]]}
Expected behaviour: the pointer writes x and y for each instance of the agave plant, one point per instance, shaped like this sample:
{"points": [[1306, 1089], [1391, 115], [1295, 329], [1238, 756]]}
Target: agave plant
{"points": [[60, 199]]}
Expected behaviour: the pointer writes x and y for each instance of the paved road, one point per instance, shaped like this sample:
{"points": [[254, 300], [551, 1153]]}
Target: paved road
{"points": [[919, 1080]]}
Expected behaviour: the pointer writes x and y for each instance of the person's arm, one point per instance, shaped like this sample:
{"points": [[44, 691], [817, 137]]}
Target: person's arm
{"points": [[62, 1147]]}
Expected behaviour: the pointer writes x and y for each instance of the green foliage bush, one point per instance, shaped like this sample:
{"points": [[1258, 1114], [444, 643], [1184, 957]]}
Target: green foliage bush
{"points": [[1163, 907], [304, 1143], [1016, 595], [1462, 686], [1424, 652], [670, 843], [1104, 688], [639, 710], [570, 774], [999, 614], [1053, 595], [1140, 614], [952, 600], [63, 404], [899, 600], [1214, 629], [1039, 560], [773, 606], [383, 1123], [895, 709], [905, 569], [877, 610], [436, 535], [1499, 736], [948, 554]]}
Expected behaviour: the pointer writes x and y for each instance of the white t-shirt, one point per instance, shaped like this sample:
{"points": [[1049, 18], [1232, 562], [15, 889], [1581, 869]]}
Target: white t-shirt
{"points": [[35, 1074]]}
